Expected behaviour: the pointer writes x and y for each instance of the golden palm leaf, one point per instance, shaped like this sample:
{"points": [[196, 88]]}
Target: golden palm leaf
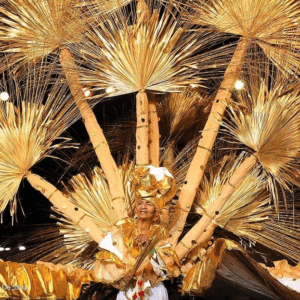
{"points": [[93, 197], [249, 214], [246, 209], [30, 130], [77, 247], [98, 7], [268, 123], [30, 29], [280, 233], [273, 25], [179, 111], [158, 53]]}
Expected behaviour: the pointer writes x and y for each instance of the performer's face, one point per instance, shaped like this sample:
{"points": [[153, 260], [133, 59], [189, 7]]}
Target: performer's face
{"points": [[145, 210]]}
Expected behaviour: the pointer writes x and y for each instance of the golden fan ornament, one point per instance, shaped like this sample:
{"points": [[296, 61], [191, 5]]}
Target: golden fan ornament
{"points": [[273, 25], [29, 128], [30, 30], [269, 124], [124, 54], [248, 206]]}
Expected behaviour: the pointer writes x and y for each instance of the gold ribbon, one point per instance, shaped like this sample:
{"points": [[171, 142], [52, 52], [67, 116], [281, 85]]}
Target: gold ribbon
{"points": [[80, 219], [204, 148], [52, 194], [184, 245], [99, 145]]}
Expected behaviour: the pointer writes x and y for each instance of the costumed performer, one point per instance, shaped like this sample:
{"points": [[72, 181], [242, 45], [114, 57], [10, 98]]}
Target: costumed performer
{"points": [[129, 239]]}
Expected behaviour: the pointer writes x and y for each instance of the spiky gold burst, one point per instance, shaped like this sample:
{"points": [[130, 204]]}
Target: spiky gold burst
{"points": [[93, 197], [32, 29], [29, 128], [273, 25], [178, 111], [98, 7], [281, 233], [248, 212], [156, 54], [269, 124], [247, 208]]}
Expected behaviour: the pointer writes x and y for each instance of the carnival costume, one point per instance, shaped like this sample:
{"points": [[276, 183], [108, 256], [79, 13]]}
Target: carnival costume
{"points": [[118, 254], [120, 248], [151, 48]]}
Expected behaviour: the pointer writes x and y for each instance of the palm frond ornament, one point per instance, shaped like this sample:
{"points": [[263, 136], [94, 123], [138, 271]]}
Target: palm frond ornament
{"points": [[31, 130], [272, 26], [248, 213], [269, 126], [145, 49], [178, 113], [31, 30]]}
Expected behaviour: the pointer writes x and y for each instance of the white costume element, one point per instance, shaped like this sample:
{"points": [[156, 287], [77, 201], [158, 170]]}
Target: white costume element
{"points": [[159, 173], [291, 283], [158, 266], [107, 244], [158, 292]]}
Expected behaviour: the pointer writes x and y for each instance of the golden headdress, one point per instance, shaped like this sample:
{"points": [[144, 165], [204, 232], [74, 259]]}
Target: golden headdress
{"points": [[154, 184]]}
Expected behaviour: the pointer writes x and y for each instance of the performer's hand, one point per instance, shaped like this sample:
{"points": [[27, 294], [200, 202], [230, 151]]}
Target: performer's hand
{"points": [[128, 277], [142, 239]]}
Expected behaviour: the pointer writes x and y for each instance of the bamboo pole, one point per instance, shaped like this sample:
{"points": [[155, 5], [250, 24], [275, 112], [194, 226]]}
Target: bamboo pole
{"points": [[142, 129], [142, 109], [153, 132], [70, 211], [195, 234], [207, 139], [96, 135]]}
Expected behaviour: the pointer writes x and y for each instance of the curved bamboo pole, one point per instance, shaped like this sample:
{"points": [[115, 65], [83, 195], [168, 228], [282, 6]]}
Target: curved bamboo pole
{"points": [[207, 139], [142, 129], [153, 132], [96, 135], [195, 234], [70, 211]]}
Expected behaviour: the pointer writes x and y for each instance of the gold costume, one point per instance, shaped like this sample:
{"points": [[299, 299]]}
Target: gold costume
{"points": [[109, 268], [41, 281]]}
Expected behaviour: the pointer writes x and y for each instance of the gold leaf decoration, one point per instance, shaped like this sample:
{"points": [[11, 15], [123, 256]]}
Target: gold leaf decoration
{"points": [[268, 123], [92, 196], [28, 129], [124, 55], [246, 209], [178, 111], [30, 29], [248, 212], [273, 25], [99, 7]]}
